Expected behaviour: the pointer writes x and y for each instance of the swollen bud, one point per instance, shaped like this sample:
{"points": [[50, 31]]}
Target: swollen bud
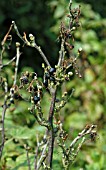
{"points": [[32, 38], [17, 44]]}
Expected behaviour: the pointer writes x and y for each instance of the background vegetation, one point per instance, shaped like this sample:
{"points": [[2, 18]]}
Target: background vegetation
{"points": [[88, 104]]}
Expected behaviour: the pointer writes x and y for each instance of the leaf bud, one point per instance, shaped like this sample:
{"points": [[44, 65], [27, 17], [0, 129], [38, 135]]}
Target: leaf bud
{"points": [[70, 73], [32, 38], [17, 44], [73, 28]]}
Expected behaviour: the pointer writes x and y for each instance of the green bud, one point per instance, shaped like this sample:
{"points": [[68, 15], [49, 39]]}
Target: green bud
{"points": [[32, 38], [43, 65], [70, 73], [17, 44]]}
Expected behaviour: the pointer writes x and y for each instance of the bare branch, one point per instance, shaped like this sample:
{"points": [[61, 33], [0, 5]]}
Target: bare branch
{"points": [[36, 153], [42, 157], [17, 61], [42, 54], [31, 43], [3, 42], [28, 159], [51, 130], [2, 121], [83, 133], [61, 53], [9, 62], [17, 32], [6, 36]]}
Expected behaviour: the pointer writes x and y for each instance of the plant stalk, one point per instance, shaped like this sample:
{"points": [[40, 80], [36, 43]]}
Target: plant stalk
{"points": [[50, 131]]}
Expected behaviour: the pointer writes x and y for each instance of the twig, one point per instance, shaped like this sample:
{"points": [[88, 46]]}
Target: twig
{"points": [[36, 153], [61, 53], [79, 146], [24, 39], [78, 149], [3, 42], [42, 156], [51, 130], [40, 121], [70, 153], [42, 54], [1, 56], [3, 130], [28, 160], [2, 121], [83, 133], [4, 65], [6, 36], [17, 32], [17, 61]]}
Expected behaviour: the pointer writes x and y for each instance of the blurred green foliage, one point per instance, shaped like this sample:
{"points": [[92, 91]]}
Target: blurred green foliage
{"points": [[87, 106], [98, 6], [31, 17]]}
